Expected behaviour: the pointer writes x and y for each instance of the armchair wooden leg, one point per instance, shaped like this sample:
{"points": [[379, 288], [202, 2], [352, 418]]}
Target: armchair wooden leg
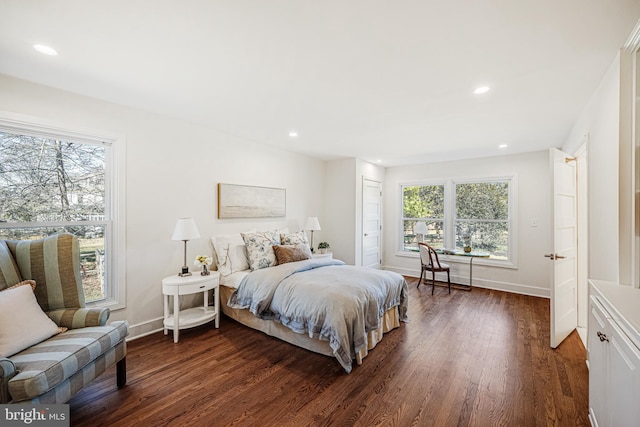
{"points": [[121, 372], [421, 274], [449, 281]]}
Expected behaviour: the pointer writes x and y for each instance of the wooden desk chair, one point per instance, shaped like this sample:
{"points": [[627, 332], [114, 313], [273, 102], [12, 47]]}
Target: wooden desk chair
{"points": [[430, 262]]}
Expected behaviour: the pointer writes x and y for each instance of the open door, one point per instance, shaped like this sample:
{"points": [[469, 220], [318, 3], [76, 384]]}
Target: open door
{"points": [[564, 302]]}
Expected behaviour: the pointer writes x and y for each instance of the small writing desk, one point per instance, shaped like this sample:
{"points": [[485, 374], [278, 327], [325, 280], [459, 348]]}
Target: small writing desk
{"points": [[455, 252], [471, 255]]}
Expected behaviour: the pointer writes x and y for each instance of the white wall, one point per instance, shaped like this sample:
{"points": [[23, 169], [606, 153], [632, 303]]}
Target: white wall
{"points": [[599, 124], [338, 224], [172, 170], [532, 275], [343, 208]]}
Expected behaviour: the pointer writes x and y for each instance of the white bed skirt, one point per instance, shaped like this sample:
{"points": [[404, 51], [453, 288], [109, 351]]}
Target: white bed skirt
{"points": [[390, 320]]}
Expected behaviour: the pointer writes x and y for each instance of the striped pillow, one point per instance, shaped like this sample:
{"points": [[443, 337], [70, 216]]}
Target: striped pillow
{"points": [[54, 263], [9, 273]]}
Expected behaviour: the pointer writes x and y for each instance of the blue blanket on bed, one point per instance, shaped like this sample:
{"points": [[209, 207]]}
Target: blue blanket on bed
{"points": [[325, 299]]}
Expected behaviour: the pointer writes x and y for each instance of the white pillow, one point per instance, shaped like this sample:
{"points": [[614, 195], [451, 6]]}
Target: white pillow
{"points": [[231, 253], [22, 321], [260, 248]]}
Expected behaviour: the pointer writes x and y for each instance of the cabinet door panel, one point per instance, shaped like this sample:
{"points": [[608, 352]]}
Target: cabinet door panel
{"points": [[598, 383], [624, 379]]}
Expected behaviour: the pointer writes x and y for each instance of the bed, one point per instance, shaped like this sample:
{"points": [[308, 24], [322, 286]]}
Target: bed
{"points": [[320, 304]]}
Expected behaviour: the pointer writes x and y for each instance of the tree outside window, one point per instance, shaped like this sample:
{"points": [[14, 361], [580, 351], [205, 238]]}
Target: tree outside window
{"points": [[426, 204], [482, 216], [50, 185]]}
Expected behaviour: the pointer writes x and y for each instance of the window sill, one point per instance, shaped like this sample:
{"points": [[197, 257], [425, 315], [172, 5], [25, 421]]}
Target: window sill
{"points": [[464, 260], [109, 303]]}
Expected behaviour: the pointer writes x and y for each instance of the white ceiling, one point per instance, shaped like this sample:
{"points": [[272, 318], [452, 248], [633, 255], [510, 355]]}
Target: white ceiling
{"points": [[388, 80]]}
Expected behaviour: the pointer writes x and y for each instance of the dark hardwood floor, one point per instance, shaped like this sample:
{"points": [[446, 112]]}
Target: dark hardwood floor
{"points": [[479, 358]]}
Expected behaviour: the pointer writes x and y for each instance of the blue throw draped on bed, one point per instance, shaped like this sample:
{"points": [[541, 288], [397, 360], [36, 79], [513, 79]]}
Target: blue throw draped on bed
{"points": [[325, 299]]}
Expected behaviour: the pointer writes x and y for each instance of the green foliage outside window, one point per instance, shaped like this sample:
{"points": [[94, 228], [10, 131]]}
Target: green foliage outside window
{"points": [[423, 203], [481, 214]]}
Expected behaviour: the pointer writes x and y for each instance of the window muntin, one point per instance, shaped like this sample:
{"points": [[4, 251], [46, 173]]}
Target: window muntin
{"points": [[52, 185], [480, 209]]}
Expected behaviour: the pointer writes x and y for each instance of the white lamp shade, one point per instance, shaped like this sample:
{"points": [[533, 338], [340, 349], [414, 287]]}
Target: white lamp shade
{"points": [[185, 230], [312, 224], [420, 228]]}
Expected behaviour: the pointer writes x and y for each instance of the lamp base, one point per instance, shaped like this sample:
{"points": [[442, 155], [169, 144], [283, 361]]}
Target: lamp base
{"points": [[185, 272]]}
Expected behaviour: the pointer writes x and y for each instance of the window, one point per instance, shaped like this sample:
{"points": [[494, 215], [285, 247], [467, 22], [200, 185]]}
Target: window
{"points": [[458, 212], [424, 204], [54, 181], [482, 217]]}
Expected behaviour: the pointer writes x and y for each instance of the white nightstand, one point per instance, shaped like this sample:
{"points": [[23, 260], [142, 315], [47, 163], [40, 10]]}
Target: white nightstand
{"points": [[325, 255], [175, 286]]}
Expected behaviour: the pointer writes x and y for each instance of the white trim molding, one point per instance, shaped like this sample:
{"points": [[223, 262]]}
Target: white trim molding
{"points": [[633, 41]]}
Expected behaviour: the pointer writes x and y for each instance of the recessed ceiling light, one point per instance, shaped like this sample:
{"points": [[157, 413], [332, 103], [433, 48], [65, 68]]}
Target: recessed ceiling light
{"points": [[502, 146], [481, 90], [45, 49], [378, 161], [293, 134]]}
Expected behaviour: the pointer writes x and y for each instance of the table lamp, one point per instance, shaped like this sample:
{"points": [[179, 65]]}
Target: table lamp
{"points": [[185, 230], [312, 225], [420, 228]]}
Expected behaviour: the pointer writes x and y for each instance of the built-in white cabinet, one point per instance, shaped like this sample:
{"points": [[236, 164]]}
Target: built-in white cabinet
{"points": [[614, 355]]}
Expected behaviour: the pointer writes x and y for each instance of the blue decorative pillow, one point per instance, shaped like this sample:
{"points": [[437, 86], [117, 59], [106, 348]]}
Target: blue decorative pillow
{"points": [[260, 248], [294, 238]]}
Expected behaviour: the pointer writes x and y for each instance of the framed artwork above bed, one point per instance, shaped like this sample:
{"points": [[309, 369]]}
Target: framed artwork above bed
{"points": [[246, 201]]}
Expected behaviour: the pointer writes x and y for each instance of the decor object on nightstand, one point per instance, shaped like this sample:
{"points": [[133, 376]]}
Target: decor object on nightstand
{"points": [[467, 243], [185, 230], [322, 247], [312, 225], [204, 262]]}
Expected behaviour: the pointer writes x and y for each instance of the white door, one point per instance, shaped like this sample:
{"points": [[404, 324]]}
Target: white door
{"points": [[564, 309], [371, 223]]}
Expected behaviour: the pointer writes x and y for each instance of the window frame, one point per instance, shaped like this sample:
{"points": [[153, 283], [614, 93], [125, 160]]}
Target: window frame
{"points": [[115, 170], [450, 217]]}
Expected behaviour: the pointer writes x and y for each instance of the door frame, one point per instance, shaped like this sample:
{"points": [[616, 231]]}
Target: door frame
{"points": [[582, 258], [363, 201]]}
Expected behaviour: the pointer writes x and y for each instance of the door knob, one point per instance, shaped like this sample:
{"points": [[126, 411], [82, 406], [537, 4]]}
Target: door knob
{"points": [[560, 256]]}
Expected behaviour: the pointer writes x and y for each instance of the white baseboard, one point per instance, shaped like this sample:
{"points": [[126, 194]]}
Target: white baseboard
{"points": [[146, 328], [482, 283]]}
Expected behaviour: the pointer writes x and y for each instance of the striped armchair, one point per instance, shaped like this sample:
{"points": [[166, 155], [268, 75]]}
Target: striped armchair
{"points": [[54, 370]]}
